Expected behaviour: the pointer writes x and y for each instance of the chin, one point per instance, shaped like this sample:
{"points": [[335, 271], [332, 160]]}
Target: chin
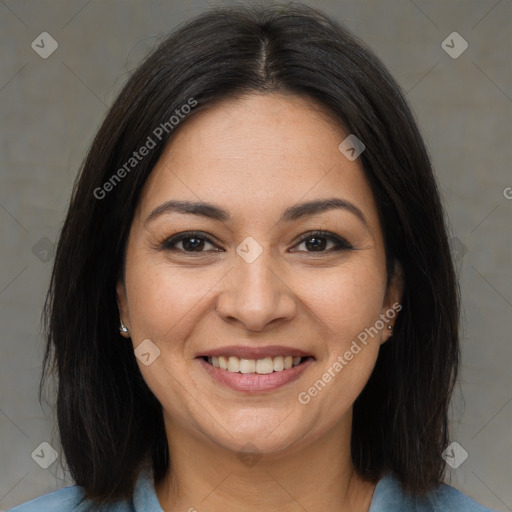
{"points": [[270, 435]]}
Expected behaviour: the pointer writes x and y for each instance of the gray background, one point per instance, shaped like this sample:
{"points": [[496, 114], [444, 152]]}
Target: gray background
{"points": [[51, 108]]}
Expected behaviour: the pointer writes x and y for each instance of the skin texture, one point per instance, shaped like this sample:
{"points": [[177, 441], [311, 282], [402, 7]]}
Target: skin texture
{"points": [[255, 156]]}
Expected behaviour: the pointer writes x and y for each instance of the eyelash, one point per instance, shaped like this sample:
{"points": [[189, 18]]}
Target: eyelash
{"points": [[340, 243]]}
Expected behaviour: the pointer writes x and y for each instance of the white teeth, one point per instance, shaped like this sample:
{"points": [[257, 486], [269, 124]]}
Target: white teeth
{"points": [[247, 365], [264, 366], [261, 366], [279, 363], [233, 364]]}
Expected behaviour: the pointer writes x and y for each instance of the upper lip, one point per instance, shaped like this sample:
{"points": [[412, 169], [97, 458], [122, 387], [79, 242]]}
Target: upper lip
{"points": [[254, 352]]}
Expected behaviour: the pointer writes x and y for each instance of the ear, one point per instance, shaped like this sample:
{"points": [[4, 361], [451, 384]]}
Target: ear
{"points": [[396, 286], [392, 302], [122, 303]]}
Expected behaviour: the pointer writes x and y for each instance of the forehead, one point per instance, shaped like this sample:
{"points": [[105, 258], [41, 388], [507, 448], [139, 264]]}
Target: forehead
{"points": [[258, 154]]}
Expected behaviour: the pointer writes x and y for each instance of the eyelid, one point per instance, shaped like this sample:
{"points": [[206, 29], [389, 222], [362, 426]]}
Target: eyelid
{"points": [[339, 240], [178, 237], [170, 242]]}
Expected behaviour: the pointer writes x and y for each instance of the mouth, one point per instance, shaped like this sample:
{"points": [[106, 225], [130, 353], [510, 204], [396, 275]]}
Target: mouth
{"points": [[262, 366], [256, 369]]}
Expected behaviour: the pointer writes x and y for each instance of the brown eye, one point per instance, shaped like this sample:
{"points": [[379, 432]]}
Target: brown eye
{"points": [[190, 242], [321, 241]]}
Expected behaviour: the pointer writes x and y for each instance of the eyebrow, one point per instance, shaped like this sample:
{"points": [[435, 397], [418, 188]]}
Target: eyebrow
{"points": [[292, 213]]}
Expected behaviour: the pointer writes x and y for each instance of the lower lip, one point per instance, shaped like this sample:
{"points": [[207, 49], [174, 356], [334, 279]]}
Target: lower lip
{"points": [[254, 382]]}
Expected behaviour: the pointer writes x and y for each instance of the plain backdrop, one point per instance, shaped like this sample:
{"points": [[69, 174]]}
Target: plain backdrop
{"points": [[51, 108]]}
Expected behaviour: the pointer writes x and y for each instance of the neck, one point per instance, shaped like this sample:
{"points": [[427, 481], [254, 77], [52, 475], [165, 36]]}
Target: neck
{"points": [[316, 477]]}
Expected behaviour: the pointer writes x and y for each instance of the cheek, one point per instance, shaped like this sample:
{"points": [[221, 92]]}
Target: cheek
{"points": [[164, 298], [347, 299]]}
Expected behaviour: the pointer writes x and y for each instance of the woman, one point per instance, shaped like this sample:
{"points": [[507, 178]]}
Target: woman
{"points": [[253, 305]]}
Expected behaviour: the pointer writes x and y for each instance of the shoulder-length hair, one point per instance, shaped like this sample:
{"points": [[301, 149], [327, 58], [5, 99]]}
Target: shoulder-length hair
{"points": [[110, 423]]}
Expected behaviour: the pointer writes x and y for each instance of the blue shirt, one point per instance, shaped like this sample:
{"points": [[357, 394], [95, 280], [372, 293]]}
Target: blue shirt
{"points": [[388, 497]]}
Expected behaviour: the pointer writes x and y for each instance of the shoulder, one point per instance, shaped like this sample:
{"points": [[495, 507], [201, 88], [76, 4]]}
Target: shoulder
{"points": [[67, 499], [446, 498], [389, 496], [72, 499]]}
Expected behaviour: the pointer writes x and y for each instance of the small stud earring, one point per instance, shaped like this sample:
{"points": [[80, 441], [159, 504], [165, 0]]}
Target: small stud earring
{"points": [[390, 327], [122, 328]]}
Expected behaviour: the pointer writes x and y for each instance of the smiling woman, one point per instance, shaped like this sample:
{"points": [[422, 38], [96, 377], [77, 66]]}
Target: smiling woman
{"points": [[263, 314]]}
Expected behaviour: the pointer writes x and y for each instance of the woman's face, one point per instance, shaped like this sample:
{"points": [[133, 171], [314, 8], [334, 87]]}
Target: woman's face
{"points": [[244, 289]]}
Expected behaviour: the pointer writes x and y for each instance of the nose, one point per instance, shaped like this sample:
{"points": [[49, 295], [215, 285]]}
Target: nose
{"points": [[256, 295]]}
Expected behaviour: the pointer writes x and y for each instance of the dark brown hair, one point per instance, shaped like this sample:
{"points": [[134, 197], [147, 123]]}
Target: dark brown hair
{"points": [[110, 423]]}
